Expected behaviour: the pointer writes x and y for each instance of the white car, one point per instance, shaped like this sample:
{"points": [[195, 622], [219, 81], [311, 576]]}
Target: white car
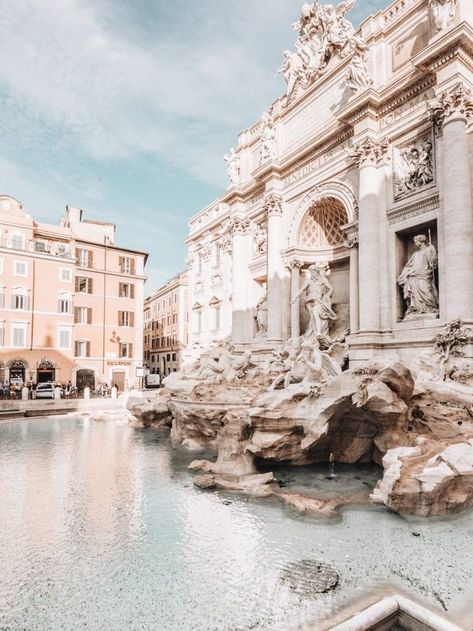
{"points": [[45, 391]]}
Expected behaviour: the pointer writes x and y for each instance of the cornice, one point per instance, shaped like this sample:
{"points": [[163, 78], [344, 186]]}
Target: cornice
{"points": [[414, 209], [456, 43]]}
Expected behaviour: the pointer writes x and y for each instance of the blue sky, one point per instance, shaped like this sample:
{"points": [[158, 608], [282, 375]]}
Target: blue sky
{"points": [[125, 107]]}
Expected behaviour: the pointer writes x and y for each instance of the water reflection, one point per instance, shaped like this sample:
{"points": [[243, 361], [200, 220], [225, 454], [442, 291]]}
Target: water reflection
{"points": [[101, 528]]}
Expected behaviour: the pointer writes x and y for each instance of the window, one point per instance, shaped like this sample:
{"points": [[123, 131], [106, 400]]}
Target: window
{"points": [[125, 349], [84, 284], [65, 275], [126, 318], [126, 290], [40, 246], [2, 334], [199, 264], [84, 257], [83, 315], [217, 254], [20, 268], [174, 357], [82, 348], [64, 337], [127, 265], [2, 297], [1, 266], [19, 299], [17, 241], [217, 317], [64, 303], [168, 357], [18, 334]]}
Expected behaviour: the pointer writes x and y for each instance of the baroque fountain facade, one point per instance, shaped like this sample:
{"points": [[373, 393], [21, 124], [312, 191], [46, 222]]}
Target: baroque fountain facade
{"points": [[331, 284]]}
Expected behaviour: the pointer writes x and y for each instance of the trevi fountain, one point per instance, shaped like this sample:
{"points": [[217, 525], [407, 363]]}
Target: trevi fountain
{"points": [[311, 465]]}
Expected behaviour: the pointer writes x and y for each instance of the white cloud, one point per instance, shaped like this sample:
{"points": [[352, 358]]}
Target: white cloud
{"points": [[180, 96]]}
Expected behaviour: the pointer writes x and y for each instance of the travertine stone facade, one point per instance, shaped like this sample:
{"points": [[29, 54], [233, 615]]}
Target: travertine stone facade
{"points": [[369, 148], [166, 326], [71, 301]]}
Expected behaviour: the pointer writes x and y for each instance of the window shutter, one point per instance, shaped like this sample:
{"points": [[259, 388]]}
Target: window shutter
{"points": [[90, 258], [132, 291], [76, 349], [87, 349], [91, 286], [121, 263], [76, 315], [120, 319], [130, 350], [77, 280], [77, 255], [132, 319], [89, 315], [132, 266]]}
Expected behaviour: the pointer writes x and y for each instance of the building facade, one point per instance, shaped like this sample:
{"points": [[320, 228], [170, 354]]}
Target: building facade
{"points": [[166, 327], [71, 302], [370, 147]]}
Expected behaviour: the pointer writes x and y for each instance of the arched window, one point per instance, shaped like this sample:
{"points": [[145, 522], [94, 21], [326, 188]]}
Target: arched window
{"points": [[321, 226], [19, 299], [64, 303]]}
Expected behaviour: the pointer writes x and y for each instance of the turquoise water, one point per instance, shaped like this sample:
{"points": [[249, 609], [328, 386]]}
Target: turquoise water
{"points": [[101, 528]]}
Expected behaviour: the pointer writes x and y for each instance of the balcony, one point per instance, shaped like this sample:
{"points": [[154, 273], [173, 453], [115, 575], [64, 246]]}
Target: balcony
{"points": [[52, 248]]}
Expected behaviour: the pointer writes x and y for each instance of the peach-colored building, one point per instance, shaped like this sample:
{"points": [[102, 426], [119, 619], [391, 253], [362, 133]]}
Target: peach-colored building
{"points": [[166, 326], [71, 302]]}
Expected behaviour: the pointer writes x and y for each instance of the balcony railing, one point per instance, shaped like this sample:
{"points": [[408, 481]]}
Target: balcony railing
{"points": [[32, 245]]}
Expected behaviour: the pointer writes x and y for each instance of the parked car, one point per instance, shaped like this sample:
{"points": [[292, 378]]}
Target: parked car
{"points": [[45, 390]]}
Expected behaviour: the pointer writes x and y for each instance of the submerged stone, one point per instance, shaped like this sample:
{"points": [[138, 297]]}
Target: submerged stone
{"points": [[308, 577]]}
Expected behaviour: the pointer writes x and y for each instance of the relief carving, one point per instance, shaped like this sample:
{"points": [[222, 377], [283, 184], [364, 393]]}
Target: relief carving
{"points": [[414, 167], [442, 13]]}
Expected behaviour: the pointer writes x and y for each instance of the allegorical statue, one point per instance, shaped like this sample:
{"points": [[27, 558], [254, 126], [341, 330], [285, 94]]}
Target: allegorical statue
{"points": [[318, 301], [268, 137], [443, 13], [232, 161], [261, 316], [418, 281]]}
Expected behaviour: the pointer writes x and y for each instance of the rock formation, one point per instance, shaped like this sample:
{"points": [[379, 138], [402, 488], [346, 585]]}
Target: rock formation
{"points": [[419, 430]]}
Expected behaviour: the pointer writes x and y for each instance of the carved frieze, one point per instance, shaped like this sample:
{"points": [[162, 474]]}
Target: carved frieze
{"points": [[225, 242], [414, 167], [413, 210], [369, 152], [451, 105]]}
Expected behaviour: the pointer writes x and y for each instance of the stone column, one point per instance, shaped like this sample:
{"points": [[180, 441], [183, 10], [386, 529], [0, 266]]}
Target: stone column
{"points": [[295, 266], [273, 206], [242, 316], [452, 112], [368, 155], [352, 243]]}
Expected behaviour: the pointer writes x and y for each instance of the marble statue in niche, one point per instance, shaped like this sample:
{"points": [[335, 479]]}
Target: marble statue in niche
{"points": [[232, 161], [414, 168], [260, 238], [318, 292], [417, 280], [261, 316], [268, 138], [443, 13]]}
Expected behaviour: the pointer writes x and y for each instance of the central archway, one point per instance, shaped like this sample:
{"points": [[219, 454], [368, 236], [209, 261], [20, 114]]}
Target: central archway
{"points": [[321, 226]]}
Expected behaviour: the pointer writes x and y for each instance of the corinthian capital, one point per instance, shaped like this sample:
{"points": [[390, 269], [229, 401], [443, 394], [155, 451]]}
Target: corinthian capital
{"points": [[294, 264], [369, 152], [273, 204], [238, 225], [451, 105]]}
